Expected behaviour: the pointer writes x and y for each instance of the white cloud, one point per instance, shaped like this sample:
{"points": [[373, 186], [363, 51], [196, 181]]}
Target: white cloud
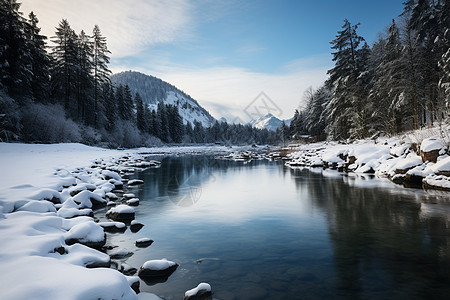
{"points": [[227, 91], [129, 25]]}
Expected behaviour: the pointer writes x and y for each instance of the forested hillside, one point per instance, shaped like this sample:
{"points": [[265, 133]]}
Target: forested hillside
{"points": [[400, 83], [63, 92]]}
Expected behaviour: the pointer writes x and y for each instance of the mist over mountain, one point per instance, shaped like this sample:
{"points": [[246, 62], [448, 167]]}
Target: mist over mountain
{"points": [[154, 90]]}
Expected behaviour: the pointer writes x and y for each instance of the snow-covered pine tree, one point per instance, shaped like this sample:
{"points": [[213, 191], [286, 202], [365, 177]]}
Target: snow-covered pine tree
{"points": [[389, 83], [349, 60], [314, 113]]}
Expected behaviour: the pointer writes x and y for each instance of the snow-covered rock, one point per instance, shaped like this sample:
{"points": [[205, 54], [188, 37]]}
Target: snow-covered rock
{"points": [[121, 213], [113, 226], [430, 148], [87, 233], [202, 291], [135, 182], [133, 202], [157, 268], [119, 253], [88, 199]]}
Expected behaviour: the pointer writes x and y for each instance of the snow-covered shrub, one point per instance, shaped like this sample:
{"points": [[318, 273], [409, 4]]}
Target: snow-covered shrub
{"points": [[9, 118], [125, 134], [151, 141], [89, 135], [48, 123]]}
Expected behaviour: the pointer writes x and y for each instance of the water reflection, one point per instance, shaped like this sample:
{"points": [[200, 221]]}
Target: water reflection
{"points": [[385, 244], [263, 231]]}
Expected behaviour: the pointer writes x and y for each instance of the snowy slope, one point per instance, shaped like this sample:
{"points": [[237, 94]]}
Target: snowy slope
{"points": [[269, 122], [154, 90]]}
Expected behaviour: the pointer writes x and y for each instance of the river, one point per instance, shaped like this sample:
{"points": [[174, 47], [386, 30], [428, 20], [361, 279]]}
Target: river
{"points": [[260, 230]]}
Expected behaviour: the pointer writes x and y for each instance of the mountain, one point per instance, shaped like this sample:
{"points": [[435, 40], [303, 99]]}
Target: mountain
{"points": [[154, 90], [269, 122]]}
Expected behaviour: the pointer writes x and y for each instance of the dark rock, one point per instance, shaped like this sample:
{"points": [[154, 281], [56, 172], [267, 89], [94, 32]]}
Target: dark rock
{"points": [[112, 228], [121, 253], [155, 274], [430, 156], [61, 250], [135, 286], [135, 227], [120, 216], [398, 179], [144, 243], [99, 264], [97, 204], [54, 200]]}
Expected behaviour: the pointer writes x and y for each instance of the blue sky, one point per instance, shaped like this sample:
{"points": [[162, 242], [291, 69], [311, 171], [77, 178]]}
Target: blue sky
{"points": [[223, 53]]}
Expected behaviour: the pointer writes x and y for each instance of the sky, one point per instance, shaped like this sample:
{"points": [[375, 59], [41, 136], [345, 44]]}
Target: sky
{"points": [[225, 54]]}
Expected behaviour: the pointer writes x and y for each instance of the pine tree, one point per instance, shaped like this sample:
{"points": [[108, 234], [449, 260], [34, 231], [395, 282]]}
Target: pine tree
{"points": [[15, 72], [39, 59], [100, 63], [85, 111], [65, 67], [163, 121], [175, 122], [156, 125], [127, 113], [110, 107], [140, 113], [148, 120]]}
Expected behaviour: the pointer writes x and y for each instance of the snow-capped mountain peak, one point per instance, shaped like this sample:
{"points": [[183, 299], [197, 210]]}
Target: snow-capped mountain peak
{"points": [[268, 121]]}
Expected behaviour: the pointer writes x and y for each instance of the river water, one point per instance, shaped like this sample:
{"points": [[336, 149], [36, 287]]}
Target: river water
{"points": [[260, 230]]}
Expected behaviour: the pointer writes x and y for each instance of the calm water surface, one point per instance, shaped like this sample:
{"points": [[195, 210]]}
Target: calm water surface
{"points": [[260, 230]]}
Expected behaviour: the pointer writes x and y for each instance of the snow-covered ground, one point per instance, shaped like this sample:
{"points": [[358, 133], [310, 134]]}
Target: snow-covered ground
{"points": [[421, 157], [48, 192], [44, 251]]}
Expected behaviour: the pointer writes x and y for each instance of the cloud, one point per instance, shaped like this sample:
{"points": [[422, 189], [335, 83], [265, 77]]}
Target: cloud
{"points": [[227, 91], [130, 26]]}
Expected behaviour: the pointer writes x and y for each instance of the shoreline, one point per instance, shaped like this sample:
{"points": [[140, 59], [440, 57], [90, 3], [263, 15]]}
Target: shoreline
{"points": [[49, 196], [425, 166], [45, 233]]}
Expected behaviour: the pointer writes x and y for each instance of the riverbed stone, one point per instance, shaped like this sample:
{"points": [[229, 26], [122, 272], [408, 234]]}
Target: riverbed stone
{"points": [[135, 226]]}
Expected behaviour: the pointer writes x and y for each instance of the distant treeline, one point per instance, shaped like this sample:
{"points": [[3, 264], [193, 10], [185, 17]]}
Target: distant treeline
{"points": [[66, 95], [402, 82]]}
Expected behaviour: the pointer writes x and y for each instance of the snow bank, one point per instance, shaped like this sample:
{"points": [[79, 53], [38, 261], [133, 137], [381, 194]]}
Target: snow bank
{"points": [[47, 194], [394, 158]]}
